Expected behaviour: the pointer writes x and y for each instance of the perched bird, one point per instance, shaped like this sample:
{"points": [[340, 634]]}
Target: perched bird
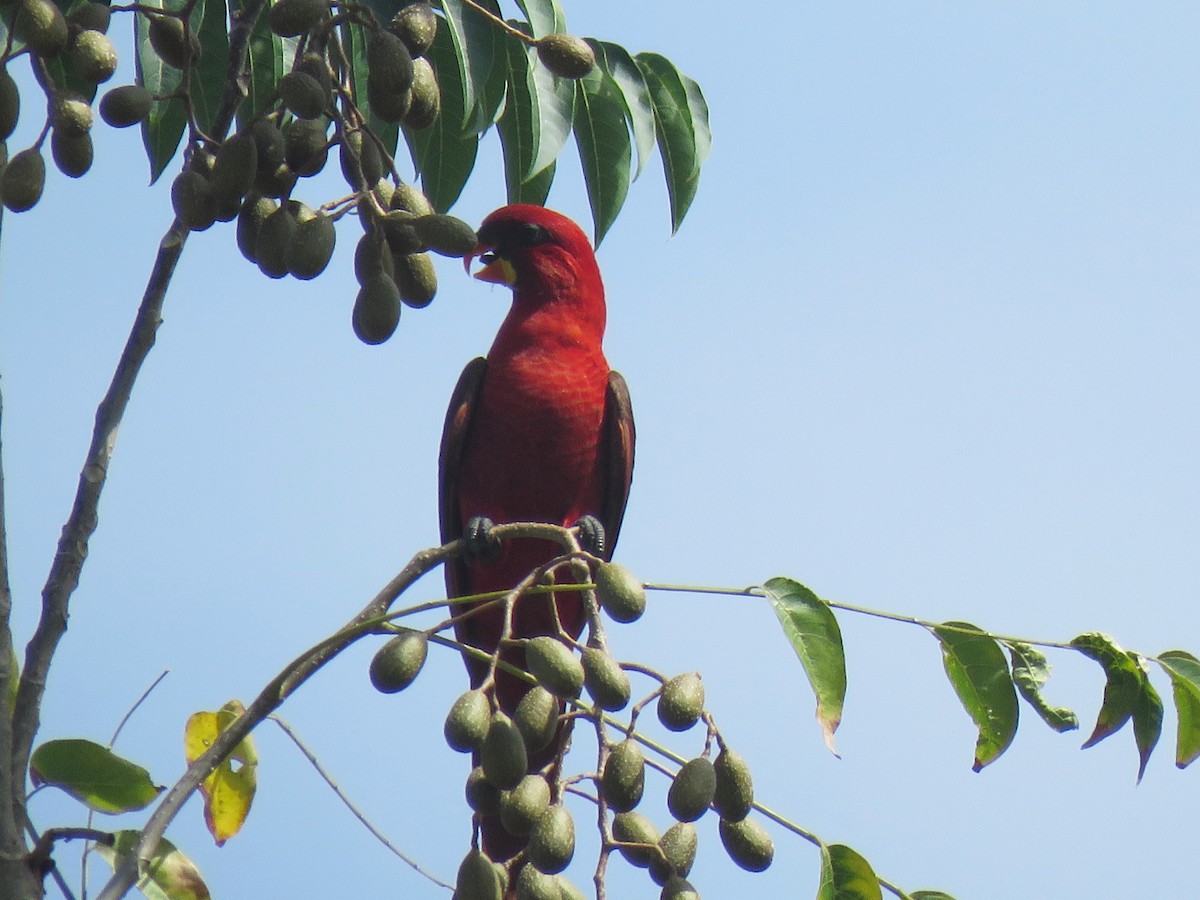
{"points": [[540, 430]]}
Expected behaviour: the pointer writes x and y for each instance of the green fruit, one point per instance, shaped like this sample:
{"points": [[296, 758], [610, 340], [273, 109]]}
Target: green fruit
{"points": [[359, 156], [447, 235], [170, 42], [426, 97], [467, 722], [93, 56], [624, 776], [565, 55], [22, 180], [503, 755], [291, 18], [682, 702], [254, 211], [303, 95], [691, 792], [416, 25], [477, 879], [555, 666], [536, 717], [401, 235], [312, 247], [482, 796], [678, 888], [535, 885], [371, 257], [192, 200], [270, 143], [521, 807], [569, 891], [10, 104], [72, 154], [634, 828], [91, 17], [389, 64], [275, 237], [71, 115], [735, 788], [398, 662], [552, 841], [305, 147], [40, 24], [619, 592], [411, 199], [416, 278], [126, 105], [376, 310], [747, 844], [678, 846], [277, 183], [605, 681], [234, 168]]}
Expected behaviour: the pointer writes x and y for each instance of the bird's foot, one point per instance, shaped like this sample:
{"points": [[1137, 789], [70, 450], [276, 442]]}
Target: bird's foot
{"points": [[481, 544], [591, 536]]}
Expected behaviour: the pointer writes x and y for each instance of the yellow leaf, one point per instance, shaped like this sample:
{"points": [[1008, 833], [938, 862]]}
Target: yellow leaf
{"points": [[229, 790]]}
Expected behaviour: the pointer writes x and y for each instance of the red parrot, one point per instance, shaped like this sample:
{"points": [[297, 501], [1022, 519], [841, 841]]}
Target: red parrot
{"points": [[540, 430]]}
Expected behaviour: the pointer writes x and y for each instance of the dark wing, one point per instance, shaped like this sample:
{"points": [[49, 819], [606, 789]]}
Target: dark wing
{"points": [[454, 435], [617, 440]]}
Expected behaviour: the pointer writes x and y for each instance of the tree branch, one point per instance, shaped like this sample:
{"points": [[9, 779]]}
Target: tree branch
{"points": [[12, 843]]}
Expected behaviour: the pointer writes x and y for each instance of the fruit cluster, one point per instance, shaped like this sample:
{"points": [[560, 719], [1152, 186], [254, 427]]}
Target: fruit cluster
{"points": [[528, 800]]}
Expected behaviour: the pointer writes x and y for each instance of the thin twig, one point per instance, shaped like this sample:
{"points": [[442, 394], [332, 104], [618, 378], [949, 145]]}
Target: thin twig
{"points": [[12, 843], [358, 814]]}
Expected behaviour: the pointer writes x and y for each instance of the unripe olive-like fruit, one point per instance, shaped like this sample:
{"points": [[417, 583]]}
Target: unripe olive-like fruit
{"points": [[425, 97], [692, 790], [410, 198], [398, 662], [389, 64], [682, 702], [735, 788], [634, 828], [274, 243], [534, 885], [416, 278], [72, 153], [401, 235], [234, 168], [552, 841], [678, 846], [72, 115], [376, 310], [416, 25], [371, 257], [254, 211], [447, 235], [482, 796], [359, 157], [10, 104], [170, 43], [624, 776], [565, 55], [747, 844], [91, 17], [467, 722], [312, 247], [503, 755], [93, 55], [126, 105], [303, 95], [678, 888], [192, 200], [22, 180], [305, 145], [40, 24], [619, 592], [536, 717], [270, 143], [277, 182], [291, 18], [605, 681], [521, 807], [555, 666], [477, 878]]}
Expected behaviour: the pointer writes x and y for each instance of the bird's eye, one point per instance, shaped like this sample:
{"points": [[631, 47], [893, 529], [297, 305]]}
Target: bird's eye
{"points": [[488, 258], [526, 234]]}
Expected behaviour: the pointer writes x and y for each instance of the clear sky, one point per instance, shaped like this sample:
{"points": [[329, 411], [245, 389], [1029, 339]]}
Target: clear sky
{"points": [[924, 343]]}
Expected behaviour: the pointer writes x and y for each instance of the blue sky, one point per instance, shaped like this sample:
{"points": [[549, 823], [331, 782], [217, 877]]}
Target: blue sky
{"points": [[924, 343]]}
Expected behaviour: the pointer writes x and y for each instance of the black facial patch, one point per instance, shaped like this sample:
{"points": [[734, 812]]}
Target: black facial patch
{"points": [[513, 235]]}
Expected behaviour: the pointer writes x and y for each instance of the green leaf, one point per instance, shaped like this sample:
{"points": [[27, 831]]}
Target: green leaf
{"points": [[442, 154], [476, 55], [845, 875], [545, 16], [930, 895], [1121, 683], [268, 59], [1030, 672], [676, 130], [167, 875], [354, 41], [1184, 670], [977, 669], [518, 128], [8, 14], [208, 20], [164, 127], [1147, 718], [605, 150], [813, 631], [635, 96], [554, 103], [93, 775], [229, 789]]}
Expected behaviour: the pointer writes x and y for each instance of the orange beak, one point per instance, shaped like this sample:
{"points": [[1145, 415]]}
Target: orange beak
{"points": [[496, 270]]}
